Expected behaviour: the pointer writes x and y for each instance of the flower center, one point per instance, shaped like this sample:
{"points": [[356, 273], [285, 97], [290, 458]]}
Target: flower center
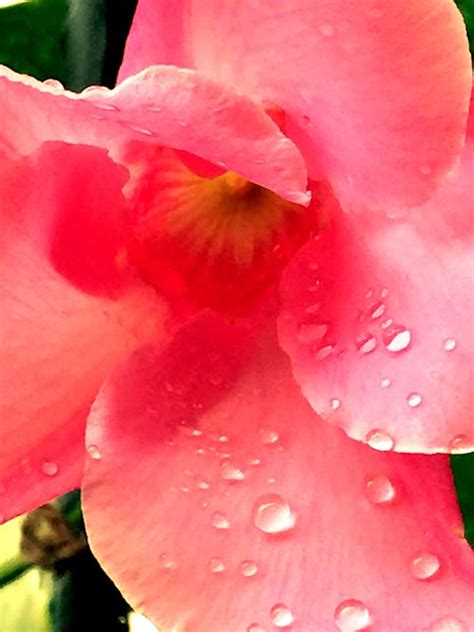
{"points": [[214, 241]]}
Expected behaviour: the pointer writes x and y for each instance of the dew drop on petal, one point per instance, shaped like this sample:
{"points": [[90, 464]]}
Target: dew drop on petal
{"points": [[425, 565], [380, 440], [94, 452], [139, 130], [231, 472], [273, 515], [216, 565], [366, 343], [256, 627], [49, 468], [385, 382], [324, 352], [220, 520], [414, 400], [281, 615], [352, 615], [377, 311], [166, 562], [248, 568], [447, 624], [460, 444], [396, 338], [380, 490], [449, 344], [268, 436], [335, 403]]}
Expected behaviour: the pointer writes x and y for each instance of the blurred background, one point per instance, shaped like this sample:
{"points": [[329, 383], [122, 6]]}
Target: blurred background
{"points": [[49, 580]]}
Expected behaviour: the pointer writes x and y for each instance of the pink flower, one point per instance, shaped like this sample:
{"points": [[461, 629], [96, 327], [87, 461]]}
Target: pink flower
{"points": [[214, 495]]}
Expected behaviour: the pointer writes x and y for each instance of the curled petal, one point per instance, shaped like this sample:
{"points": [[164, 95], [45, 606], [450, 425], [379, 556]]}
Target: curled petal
{"points": [[255, 513], [164, 106]]}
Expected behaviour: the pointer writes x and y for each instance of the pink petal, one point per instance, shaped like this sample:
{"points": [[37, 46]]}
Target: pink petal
{"points": [[377, 318], [57, 342], [161, 106], [376, 96], [213, 494]]}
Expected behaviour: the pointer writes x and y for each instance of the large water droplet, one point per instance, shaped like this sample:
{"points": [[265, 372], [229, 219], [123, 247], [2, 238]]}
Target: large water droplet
{"points": [[94, 452], [378, 310], [309, 333], [380, 440], [248, 568], [447, 624], [460, 444], [352, 615], [449, 344], [281, 615], [273, 515], [216, 565], [414, 400], [49, 468], [231, 472], [220, 520], [380, 490], [268, 437], [425, 565], [366, 343], [396, 338]]}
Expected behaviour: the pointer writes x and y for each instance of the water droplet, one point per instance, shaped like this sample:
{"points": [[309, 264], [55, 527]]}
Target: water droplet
{"points": [[94, 452], [268, 437], [273, 515], [308, 333], [380, 490], [110, 107], [223, 438], [447, 624], [256, 627], [386, 323], [281, 615], [384, 293], [216, 565], [166, 562], [385, 382], [220, 521], [140, 130], [327, 30], [366, 343], [414, 400], [49, 468], [425, 565], [324, 352], [380, 440], [248, 568], [449, 344], [231, 472], [352, 615], [460, 444], [202, 484], [377, 311], [335, 403], [396, 338]]}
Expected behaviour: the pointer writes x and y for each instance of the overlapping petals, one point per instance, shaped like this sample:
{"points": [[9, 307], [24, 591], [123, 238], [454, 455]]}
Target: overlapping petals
{"points": [[375, 96], [162, 105], [377, 317], [255, 511], [58, 342]]}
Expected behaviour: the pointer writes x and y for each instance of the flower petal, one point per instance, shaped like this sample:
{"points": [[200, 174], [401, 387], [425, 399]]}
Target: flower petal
{"points": [[164, 106], [251, 512], [57, 341], [376, 96], [377, 318]]}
